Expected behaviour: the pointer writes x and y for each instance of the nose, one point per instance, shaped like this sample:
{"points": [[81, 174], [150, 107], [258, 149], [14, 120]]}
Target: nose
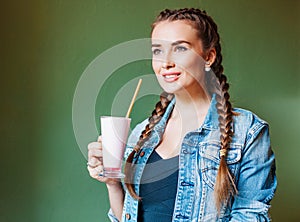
{"points": [[168, 64]]}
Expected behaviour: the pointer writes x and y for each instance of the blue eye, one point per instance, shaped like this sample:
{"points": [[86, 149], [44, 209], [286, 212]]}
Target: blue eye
{"points": [[180, 48], [156, 51]]}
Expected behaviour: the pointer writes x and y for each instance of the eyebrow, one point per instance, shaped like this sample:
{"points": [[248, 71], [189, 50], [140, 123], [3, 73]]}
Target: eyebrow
{"points": [[173, 43]]}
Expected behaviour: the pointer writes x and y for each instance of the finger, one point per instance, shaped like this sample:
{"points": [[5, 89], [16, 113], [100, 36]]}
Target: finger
{"points": [[95, 172], [92, 172], [94, 145], [99, 169], [94, 162], [102, 179], [108, 180], [99, 139], [95, 153]]}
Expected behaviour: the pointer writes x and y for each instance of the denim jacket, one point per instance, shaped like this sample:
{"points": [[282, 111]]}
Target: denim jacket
{"points": [[249, 158]]}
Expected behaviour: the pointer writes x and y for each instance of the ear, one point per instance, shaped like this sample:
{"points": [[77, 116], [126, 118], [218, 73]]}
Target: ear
{"points": [[211, 56]]}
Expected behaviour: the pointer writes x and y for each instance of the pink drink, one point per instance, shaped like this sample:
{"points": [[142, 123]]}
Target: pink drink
{"points": [[114, 131]]}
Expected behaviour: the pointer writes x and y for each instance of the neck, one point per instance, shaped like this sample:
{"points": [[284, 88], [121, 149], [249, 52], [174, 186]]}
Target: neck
{"points": [[191, 107]]}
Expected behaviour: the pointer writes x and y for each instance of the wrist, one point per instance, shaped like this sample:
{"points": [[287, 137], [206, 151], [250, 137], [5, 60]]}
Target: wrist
{"points": [[114, 186]]}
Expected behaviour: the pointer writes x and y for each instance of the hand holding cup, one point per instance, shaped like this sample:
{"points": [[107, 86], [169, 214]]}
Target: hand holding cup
{"points": [[95, 163], [106, 155]]}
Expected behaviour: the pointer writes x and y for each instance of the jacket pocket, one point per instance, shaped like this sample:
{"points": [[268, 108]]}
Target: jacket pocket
{"points": [[209, 159]]}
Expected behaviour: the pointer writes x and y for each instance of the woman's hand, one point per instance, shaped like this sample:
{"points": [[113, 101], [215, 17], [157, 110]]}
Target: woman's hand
{"points": [[114, 186], [95, 163]]}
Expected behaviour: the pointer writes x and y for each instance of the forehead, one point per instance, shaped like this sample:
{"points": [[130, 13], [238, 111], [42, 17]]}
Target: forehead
{"points": [[172, 31]]}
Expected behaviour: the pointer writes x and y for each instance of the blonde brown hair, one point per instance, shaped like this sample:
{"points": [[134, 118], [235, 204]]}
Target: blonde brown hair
{"points": [[208, 34]]}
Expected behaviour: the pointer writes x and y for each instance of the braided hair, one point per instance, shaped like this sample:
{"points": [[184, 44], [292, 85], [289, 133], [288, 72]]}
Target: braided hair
{"points": [[208, 34], [157, 113]]}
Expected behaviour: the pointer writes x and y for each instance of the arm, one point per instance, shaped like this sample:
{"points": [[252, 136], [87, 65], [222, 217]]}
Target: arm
{"points": [[257, 181], [114, 187], [116, 200]]}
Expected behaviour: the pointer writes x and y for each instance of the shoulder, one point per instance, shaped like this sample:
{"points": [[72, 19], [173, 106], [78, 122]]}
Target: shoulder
{"points": [[247, 117], [247, 124]]}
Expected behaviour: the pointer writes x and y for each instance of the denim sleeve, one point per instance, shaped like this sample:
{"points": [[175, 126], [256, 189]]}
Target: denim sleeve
{"points": [[257, 181], [111, 216]]}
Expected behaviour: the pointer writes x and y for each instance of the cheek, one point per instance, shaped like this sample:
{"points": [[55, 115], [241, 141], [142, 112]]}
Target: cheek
{"points": [[155, 66], [192, 66]]}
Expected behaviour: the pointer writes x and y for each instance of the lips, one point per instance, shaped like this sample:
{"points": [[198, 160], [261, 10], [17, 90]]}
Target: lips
{"points": [[171, 77]]}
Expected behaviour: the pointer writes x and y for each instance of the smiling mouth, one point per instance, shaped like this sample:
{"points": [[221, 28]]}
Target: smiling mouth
{"points": [[171, 77]]}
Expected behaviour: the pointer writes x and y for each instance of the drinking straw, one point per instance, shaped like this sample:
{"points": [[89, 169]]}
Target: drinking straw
{"points": [[133, 98]]}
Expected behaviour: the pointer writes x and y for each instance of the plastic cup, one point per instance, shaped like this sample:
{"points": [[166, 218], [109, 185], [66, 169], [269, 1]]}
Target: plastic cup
{"points": [[114, 132]]}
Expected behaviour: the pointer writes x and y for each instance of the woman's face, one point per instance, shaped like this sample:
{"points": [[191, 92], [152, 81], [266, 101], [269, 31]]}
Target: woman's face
{"points": [[177, 57]]}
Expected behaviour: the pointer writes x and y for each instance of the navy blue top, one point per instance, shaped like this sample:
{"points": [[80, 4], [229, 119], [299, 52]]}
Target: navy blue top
{"points": [[158, 189]]}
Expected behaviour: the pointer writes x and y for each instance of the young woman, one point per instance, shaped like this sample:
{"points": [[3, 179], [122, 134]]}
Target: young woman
{"points": [[197, 158]]}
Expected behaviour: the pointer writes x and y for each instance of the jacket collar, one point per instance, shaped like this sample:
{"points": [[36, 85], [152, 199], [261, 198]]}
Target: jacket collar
{"points": [[211, 121]]}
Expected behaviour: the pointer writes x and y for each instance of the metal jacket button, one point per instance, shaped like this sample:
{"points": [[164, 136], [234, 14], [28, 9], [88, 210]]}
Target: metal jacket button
{"points": [[127, 216]]}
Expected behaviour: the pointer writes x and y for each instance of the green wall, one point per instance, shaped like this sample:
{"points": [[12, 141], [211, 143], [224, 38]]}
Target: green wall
{"points": [[46, 46]]}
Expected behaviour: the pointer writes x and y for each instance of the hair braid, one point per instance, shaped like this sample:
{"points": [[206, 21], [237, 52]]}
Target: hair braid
{"points": [[156, 116], [208, 34], [225, 185]]}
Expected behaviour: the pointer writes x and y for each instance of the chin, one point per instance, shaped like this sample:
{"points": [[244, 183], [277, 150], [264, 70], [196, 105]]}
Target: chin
{"points": [[169, 88], [172, 90]]}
